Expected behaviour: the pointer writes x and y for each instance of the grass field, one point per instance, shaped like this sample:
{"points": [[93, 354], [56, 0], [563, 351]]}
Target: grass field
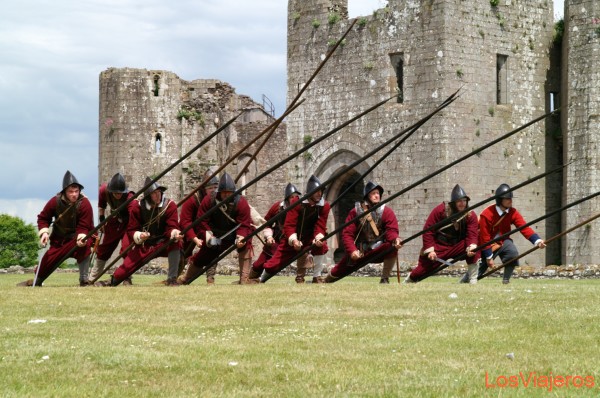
{"points": [[352, 338]]}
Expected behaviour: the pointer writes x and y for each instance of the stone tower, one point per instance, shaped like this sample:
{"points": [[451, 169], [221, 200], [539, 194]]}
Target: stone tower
{"points": [[497, 55], [150, 118], [581, 122]]}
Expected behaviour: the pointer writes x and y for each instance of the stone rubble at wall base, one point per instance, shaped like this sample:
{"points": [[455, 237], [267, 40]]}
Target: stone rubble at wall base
{"points": [[571, 271]]}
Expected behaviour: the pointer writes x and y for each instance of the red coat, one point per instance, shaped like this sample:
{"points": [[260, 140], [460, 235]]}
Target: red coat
{"points": [[242, 217], [302, 219], [189, 209], [489, 228], [160, 227], [469, 222], [105, 200], [389, 228], [83, 219]]}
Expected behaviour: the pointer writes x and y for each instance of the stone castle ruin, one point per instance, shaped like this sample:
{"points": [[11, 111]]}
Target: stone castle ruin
{"points": [[504, 58]]}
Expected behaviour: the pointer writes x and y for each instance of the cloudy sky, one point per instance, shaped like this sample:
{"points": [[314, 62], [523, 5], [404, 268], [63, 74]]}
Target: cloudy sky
{"points": [[54, 51]]}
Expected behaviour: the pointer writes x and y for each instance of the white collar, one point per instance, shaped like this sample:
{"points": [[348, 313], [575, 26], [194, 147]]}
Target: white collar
{"points": [[319, 203], [162, 202], [500, 212]]}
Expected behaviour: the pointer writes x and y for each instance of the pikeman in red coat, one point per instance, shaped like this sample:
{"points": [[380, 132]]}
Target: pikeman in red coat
{"points": [[73, 219], [366, 239], [153, 222], [273, 234], [188, 213], [229, 225], [112, 195], [455, 238], [496, 220], [305, 225]]}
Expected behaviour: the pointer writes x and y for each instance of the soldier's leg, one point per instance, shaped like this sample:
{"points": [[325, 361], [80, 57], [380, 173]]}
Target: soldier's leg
{"points": [[301, 268], [210, 274], [174, 257], [388, 266], [245, 263], [84, 268], [507, 252]]}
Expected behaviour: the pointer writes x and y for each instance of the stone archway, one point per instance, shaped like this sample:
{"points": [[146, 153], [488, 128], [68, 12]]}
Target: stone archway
{"points": [[339, 193]]}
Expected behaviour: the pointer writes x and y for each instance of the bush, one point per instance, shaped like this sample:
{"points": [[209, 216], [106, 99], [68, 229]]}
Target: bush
{"points": [[18, 242]]}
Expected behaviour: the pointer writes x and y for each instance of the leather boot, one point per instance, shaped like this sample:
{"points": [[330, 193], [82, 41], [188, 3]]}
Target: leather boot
{"points": [[28, 282], [84, 270], [254, 276], [210, 275], [191, 273], [106, 283], [245, 262], [330, 278], [301, 269], [265, 276], [388, 265], [508, 271], [127, 281]]}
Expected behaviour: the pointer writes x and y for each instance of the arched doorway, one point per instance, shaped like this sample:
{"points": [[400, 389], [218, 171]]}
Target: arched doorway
{"points": [[343, 193]]}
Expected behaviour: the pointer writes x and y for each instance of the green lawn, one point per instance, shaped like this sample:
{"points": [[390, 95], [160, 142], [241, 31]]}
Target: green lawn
{"points": [[352, 338]]}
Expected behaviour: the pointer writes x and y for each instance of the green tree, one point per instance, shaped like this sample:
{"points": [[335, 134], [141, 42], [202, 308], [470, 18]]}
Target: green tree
{"points": [[18, 242]]}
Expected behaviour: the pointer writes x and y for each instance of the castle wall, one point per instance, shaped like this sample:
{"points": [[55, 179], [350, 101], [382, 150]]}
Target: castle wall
{"points": [[581, 124], [446, 45], [137, 105]]}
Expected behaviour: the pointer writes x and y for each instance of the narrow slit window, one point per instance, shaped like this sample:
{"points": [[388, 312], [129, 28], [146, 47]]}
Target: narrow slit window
{"points": [[501, 79], [397, 61], [156, 82], [157, 144], [554, 101]]}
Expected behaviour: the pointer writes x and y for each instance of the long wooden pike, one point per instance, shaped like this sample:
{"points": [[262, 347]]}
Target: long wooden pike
{"points": [[408, 188], [274, 167], [501, 237], [547, 241], [409, 130], [459, 214], [148, 185], [297, 97]]}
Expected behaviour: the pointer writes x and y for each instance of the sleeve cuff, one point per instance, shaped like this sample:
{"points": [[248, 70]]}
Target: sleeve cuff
{"points": [[319, 236], [429, 250], [292, 238], [268, 233], [44, 230], [137, 237]]}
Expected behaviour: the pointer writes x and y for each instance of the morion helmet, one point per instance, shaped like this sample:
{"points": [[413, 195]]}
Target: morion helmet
{"points": [[117, 184], [69, 179], [313, 184], [226, 183], [458, 193], [502, 192], [290, 189], [151, 188], [370, 186]]}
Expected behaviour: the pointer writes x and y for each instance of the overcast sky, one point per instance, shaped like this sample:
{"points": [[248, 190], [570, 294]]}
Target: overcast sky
{"points": [[54, 51]]}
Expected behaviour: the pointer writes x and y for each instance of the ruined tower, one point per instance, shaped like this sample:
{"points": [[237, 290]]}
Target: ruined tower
{"points": [[150, 118], [424, 51]]}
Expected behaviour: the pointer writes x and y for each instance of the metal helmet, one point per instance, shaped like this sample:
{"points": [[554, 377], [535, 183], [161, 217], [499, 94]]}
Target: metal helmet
{"points": [[502, 192], [69, 179], [117, 184], [313, 184], [152, 188], [290, 189], [458, 193], [213, 181], [226, 183], [370, 186]]}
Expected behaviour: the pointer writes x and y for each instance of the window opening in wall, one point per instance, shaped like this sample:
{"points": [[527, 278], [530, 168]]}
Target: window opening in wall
{"points": [[397, 61], [157, 143], [501, 79], [554, 101], [156, 85]]}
